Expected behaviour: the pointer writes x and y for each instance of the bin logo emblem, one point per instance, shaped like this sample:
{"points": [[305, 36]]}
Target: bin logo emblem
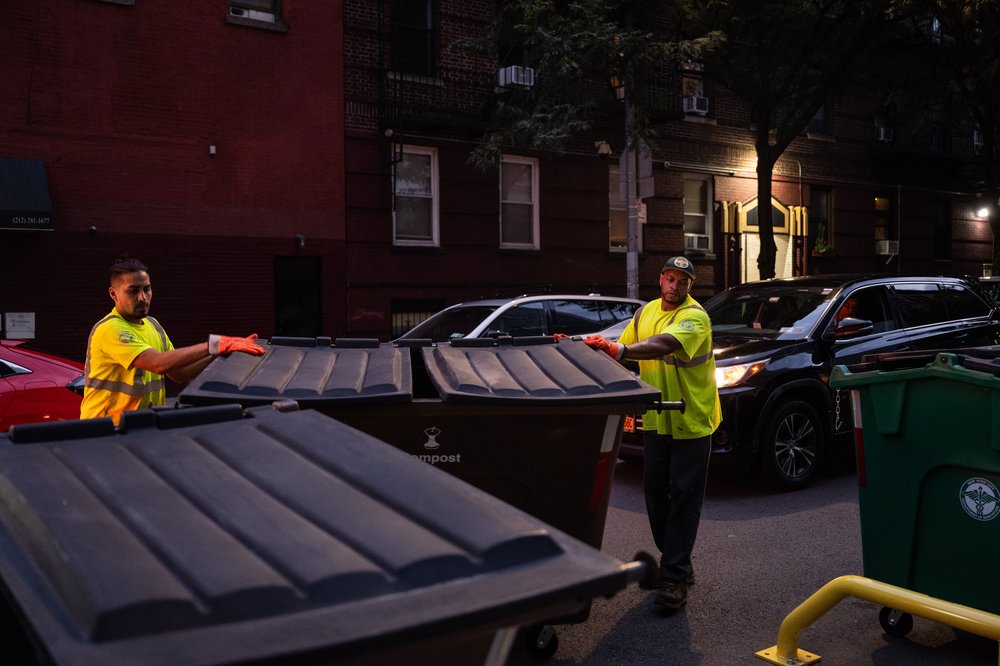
{"points": [[432, 444], [980, 499]]}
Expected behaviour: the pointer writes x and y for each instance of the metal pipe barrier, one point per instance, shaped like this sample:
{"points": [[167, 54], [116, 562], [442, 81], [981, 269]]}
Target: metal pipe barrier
{"points": [[787, 652]]}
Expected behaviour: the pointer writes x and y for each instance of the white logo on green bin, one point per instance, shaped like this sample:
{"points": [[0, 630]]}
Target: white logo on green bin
{"points": [[980, 499]]}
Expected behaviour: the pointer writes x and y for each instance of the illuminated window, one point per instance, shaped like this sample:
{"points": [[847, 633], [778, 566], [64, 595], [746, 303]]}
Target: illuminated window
{"points": [[884, 228]]}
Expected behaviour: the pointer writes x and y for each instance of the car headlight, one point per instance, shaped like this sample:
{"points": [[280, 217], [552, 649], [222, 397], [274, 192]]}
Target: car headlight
{"points": [[731, 375]]}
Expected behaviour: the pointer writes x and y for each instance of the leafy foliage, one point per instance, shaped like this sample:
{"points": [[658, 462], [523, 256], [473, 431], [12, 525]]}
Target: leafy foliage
{"points": [[575, 48]]}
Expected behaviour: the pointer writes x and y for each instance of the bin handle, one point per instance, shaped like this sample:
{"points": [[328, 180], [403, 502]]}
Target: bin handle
{"points": [[642, 568], [661, 405]]}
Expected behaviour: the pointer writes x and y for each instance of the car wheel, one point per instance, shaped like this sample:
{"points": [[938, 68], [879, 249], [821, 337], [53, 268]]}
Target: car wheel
{"points": [[793, 444]]}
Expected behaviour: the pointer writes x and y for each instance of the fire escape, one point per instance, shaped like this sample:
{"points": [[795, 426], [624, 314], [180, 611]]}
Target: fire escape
{"points": [[426, 88]]}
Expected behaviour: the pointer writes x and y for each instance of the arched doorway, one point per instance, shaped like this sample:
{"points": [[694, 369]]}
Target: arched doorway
{"points": [[790, 224]]}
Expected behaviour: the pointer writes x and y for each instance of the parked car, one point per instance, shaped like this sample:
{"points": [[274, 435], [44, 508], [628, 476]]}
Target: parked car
{"points": [[35, 386], [991, 285], [525, 316], [776, 341]]}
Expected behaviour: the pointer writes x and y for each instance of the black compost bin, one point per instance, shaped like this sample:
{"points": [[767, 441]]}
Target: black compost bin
{"points": [[216, 535], [532, 422]]}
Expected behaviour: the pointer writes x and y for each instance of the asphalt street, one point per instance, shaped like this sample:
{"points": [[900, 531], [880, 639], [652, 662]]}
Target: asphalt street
{"points": [[760, 553]]}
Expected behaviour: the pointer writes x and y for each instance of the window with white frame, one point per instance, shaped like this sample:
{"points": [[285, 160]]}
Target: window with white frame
{"points": [[519, 202], [415, 200], [697, 213]]}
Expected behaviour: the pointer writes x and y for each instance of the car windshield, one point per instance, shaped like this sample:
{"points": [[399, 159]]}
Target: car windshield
{"points": [[774, 311], [456, 322]]}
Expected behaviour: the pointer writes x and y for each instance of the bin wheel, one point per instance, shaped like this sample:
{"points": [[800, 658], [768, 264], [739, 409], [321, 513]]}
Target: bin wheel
{"points": [[541, 641], [792, 445], [896, 623]]}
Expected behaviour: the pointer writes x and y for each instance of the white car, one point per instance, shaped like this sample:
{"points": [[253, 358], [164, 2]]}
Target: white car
{"points": [[546, 314]]}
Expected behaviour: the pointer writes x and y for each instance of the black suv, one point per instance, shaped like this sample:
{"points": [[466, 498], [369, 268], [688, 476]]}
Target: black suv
{"points": [[776, 341]]}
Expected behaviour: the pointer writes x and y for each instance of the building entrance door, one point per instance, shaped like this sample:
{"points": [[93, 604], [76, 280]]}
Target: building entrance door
{"points": [[298, 310]]}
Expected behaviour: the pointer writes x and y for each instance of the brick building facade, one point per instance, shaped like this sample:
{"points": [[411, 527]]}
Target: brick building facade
{"points": [[849, 180], [208, 145], [308, 174]]}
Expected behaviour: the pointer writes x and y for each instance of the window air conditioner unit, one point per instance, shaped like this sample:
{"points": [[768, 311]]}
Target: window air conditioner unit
{"points": [[887, 247], [696, 242], [515, 76], [696, 104], [253, 14], [883, 134]]}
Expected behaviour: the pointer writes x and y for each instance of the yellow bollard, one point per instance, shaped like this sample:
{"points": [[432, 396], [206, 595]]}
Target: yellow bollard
{"points": [[787, 652]]}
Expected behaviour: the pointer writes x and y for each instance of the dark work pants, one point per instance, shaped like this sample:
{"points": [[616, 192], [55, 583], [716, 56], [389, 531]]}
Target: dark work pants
{"points": [[675, 472]]}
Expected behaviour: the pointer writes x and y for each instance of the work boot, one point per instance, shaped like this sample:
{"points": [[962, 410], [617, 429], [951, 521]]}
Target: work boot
{"points": [[655, 581], [672, 595]]}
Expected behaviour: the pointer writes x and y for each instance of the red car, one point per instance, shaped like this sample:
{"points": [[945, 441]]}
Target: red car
{"points": [[37, 387]]}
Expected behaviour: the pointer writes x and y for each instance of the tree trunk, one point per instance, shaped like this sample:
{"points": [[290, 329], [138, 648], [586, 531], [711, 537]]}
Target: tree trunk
{"points": [[765, 166]]}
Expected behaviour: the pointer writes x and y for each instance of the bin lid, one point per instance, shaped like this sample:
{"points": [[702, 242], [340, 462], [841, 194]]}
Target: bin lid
{"points": [[971, 364], [567, 373], [208, 535], [986, 359], [310, 371], [314, 373]]}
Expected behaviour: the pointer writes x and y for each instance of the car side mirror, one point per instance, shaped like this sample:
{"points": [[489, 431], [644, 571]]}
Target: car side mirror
{"points": [[849, 327]]}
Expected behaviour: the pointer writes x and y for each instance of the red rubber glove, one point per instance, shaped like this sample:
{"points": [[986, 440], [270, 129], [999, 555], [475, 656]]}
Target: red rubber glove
{"points": [[612, 349], [559, 336], [225, 344]]}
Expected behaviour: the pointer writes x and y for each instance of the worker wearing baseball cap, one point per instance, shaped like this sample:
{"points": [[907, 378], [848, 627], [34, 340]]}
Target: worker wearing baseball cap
{"points": [[671, 338]]}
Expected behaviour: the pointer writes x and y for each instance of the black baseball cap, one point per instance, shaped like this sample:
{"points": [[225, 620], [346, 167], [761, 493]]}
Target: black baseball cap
{"points": [[682, 264]]}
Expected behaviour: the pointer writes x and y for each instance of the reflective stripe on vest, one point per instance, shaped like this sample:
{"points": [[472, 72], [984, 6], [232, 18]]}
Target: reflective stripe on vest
{"points": [[136, 390], [696, 361]]}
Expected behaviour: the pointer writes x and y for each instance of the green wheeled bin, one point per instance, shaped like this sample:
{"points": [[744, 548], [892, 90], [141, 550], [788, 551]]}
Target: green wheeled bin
{"points": [[927, 433]]}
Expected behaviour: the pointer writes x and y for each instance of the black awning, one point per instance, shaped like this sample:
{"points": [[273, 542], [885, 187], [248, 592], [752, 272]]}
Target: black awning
{"points": [[25, 204]]}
